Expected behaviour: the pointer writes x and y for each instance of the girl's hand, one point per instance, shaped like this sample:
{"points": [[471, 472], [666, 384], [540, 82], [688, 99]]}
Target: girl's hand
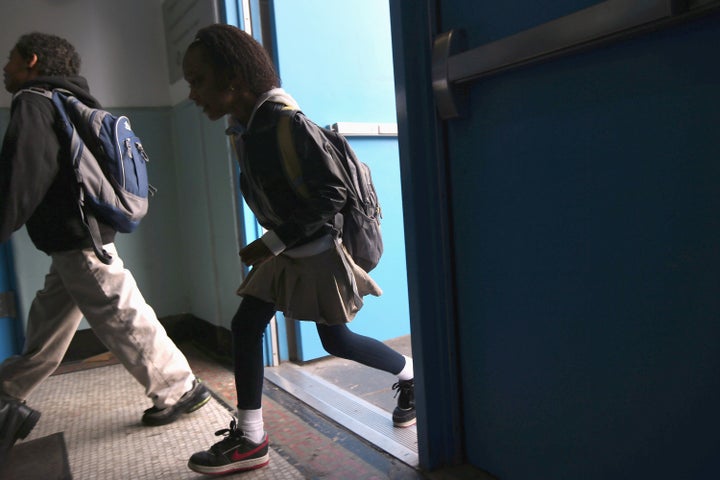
{"points": [[255, 253]]}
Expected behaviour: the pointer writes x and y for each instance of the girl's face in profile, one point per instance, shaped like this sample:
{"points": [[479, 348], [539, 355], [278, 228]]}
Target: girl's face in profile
{"points": [[212, 92]]}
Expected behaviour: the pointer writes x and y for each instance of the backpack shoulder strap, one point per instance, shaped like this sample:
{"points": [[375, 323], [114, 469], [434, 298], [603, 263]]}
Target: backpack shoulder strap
{"points": [[35, 90], [290, 161], [91, 224]]}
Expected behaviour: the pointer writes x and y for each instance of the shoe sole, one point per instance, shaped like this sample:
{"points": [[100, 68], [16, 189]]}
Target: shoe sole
{"points": [[159, 422], [28, 424], [200, 404], [244, 466], [408, 423], [402, 418]]}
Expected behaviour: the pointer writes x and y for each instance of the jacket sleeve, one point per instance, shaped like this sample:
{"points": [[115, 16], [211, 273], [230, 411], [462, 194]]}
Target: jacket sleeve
{"points": [[28, 161], [324, 193]]}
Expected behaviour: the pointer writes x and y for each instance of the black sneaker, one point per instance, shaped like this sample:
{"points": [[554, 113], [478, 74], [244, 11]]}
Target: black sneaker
{"points": [[404, 413], [191, 401], [16, 421], [234, 453]]}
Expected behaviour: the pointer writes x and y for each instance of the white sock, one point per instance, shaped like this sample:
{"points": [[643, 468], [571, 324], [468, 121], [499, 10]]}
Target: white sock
{"points": [[407, 372], [252, 425]]}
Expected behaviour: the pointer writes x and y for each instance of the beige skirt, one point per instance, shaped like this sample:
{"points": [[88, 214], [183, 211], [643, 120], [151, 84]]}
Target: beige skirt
{"points": [[325, 288]]}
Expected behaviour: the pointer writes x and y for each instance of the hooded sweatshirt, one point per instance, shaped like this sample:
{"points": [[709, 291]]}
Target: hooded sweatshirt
{"points": [[37, 182]]}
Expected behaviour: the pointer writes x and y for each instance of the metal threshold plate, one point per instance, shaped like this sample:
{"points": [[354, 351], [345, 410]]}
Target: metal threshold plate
{"points": [[357, 415]]}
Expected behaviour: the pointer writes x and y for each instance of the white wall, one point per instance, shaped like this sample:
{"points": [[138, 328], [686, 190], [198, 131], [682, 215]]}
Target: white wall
{"points": [[121, 44]]}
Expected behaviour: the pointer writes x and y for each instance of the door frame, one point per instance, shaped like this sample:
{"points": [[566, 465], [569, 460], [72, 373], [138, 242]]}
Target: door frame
{"points": [[429, 237]]}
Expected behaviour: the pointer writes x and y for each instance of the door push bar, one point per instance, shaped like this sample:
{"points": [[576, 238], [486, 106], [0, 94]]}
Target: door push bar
{"points": [[453, 68]]}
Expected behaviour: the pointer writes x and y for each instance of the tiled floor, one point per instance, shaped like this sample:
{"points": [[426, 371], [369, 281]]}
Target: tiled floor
{"points": [[97, 405]]}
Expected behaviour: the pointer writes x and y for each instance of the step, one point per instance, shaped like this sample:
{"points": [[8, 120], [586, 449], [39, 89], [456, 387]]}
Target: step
{"points": [[357, 415]]}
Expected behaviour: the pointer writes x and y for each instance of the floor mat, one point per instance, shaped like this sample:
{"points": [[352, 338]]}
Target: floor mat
{"points": [[99, 411], [44, 458]]}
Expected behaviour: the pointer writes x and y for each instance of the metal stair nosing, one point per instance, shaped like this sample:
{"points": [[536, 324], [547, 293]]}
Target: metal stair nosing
{"points": [[357, 415]]}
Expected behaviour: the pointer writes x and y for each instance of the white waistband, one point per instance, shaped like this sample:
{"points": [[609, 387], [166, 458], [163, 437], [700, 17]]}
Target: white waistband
{"points": [[311, 248]]}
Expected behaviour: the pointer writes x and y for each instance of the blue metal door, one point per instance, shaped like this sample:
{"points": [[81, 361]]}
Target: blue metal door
{"points": [[582, 179]]}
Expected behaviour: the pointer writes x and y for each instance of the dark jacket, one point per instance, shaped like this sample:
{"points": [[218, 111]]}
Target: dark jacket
{"points": [[268, 192], [37, 183]]}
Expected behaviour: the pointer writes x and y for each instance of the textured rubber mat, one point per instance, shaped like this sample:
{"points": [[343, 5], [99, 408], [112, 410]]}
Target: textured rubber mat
{"points": [[44, 458], [99, 410]]}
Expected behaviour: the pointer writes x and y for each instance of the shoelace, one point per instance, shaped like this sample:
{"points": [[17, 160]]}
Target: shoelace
{"points": [[232, 434], [402, 387]]}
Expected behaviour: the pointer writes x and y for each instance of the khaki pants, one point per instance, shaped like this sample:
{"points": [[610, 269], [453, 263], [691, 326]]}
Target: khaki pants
{"points": [[78, 285]]}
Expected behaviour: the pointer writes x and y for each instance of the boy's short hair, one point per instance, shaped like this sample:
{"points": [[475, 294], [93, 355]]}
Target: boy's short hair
{"points": [[56, 56]]}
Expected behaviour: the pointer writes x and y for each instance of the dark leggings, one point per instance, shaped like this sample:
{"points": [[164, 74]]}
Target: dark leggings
{"points": [[248, 327]]}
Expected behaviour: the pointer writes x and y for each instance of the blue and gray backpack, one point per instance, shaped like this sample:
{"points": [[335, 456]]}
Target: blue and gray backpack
{"points": [[110, 166]]}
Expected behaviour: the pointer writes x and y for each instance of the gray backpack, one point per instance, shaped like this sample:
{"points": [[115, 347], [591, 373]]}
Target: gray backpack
{"points": [[361, 214]]}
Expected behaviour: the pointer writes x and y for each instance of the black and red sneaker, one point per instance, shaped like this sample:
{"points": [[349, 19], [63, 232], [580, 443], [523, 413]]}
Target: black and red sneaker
{"points": [[234, 453], [404, 413]]}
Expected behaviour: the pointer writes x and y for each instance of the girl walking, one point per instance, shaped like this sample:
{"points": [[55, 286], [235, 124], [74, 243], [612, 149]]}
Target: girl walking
{"points": [[299, 266]]}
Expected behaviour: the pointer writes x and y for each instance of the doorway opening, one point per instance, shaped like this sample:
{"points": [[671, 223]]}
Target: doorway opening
{"points": [[348, 85]]}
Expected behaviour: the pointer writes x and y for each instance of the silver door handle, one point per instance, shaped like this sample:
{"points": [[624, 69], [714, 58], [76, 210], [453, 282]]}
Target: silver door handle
{"points": [[606, 21]]}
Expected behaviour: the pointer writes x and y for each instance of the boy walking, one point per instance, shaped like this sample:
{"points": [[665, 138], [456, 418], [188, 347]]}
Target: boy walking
{"points": [[38, 190]]}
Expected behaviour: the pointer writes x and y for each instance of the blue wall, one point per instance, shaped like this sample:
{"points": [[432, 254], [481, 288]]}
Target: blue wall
{"points": [[335, 58], [10, 327]]}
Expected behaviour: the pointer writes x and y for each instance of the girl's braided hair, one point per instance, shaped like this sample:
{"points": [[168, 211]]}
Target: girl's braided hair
{"points": [[56, 56], [237, 55]]}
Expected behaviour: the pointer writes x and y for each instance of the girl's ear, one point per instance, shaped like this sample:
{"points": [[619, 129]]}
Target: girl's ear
{"points": [[236, 83]]}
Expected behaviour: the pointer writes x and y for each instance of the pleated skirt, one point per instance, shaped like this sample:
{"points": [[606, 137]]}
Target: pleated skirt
{"points": [[325, 288]]}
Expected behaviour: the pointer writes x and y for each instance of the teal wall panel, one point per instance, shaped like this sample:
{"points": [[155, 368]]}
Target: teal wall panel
{"points": [[208, 223], [152, 252]]}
